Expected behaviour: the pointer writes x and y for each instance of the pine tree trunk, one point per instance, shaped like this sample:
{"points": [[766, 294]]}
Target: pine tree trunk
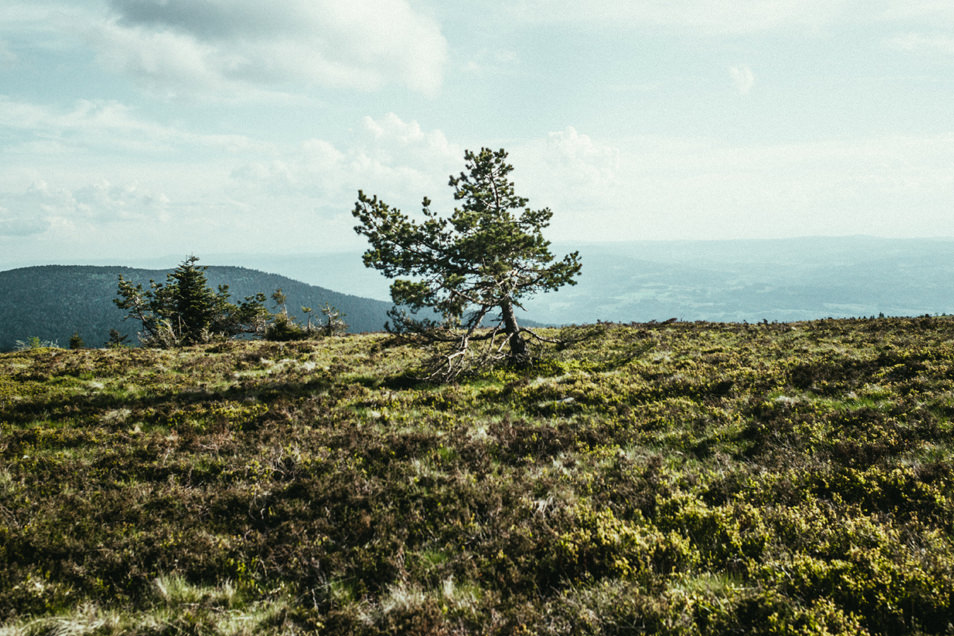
{"points": [[518, 348]]}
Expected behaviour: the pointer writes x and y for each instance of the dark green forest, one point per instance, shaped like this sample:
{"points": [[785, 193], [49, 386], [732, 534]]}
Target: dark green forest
{"points": [[52, 302]]}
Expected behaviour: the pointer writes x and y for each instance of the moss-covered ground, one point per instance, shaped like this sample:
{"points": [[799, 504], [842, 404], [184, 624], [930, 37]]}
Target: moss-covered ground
{"points": [[659, 479]]}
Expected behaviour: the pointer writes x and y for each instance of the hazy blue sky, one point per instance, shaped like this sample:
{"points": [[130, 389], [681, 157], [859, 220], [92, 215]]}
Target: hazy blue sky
{"points": [[152, 127]]}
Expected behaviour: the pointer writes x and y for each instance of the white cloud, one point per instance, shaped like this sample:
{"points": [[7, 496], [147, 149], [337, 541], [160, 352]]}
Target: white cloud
{"points": [[671, 188], [101, 126], [731, 17], [107, 166], [107, 202], [492, 62], [396, 159], [915, 10], [168, 63], [19, 17], [575, 176], [265, 197], [41, 207], [393, 135], [226, 47], [7, 57], [701, 16], [580, 160], [923, 43], [742, 78], [21, 223]]}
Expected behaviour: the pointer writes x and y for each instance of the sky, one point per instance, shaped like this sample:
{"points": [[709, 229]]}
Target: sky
{"points": [[142, 128]]}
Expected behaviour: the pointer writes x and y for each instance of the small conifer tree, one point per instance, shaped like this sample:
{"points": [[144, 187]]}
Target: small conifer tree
{"points": [[76, 342], [116, 339], [334, 324], [185, 311], [485, 257]]}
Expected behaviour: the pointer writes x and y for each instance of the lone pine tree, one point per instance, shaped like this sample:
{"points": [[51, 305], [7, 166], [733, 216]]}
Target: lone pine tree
{"points": [[485, 257]]}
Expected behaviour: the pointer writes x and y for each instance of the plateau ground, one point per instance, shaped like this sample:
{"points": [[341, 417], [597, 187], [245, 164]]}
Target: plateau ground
{"points": [[668, 479]]}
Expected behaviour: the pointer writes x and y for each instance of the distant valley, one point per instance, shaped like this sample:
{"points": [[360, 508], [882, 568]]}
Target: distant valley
{"points": [[734, 281], [730, 281]]}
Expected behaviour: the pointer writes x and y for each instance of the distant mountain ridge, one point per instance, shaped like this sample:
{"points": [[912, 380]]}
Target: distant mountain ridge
{"points": [[751, 280], [51, 302], [720, 280]]}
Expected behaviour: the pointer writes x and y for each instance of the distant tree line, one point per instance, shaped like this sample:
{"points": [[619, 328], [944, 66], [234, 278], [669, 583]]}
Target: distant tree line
{"points": [[52, 303], [185, 310]]}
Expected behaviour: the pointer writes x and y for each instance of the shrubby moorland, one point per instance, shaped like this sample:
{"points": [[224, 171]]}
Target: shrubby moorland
{"points": [[667, 479]]}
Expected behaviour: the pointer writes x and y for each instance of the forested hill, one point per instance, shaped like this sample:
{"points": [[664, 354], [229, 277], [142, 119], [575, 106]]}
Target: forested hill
{"points": [[52, 302]]}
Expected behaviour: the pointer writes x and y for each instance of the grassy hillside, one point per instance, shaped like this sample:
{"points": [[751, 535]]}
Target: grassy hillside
{"points": [[673, 479], [51, 302]]}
